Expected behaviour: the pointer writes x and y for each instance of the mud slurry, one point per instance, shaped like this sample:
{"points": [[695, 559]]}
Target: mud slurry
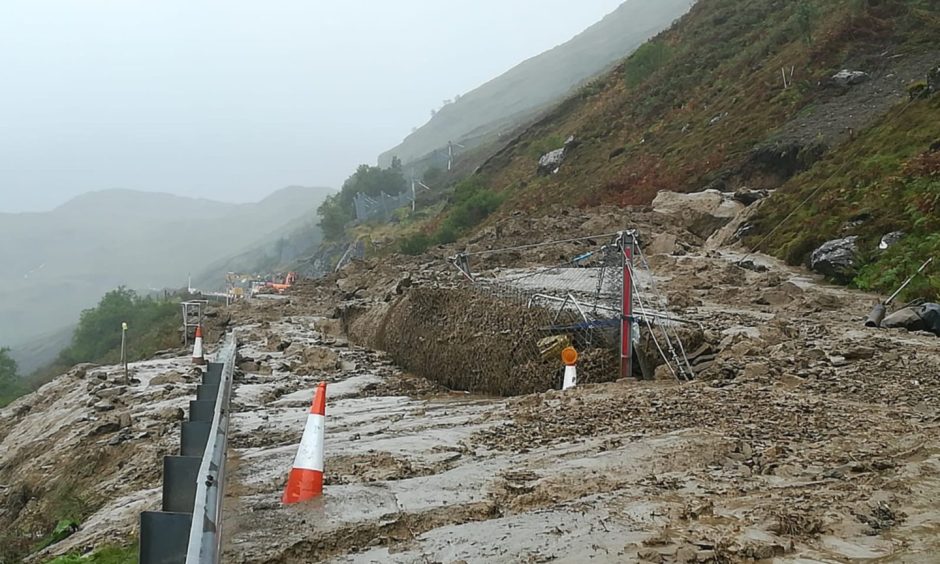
{"points": [[806, 439]]}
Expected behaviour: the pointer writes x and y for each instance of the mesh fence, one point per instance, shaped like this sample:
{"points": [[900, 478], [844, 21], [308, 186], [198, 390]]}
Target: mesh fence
{"points": [[540, 311], [502, 330]]}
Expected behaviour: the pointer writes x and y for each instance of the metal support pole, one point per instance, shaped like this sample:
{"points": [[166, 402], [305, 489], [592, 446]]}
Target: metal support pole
{"points": [[127, 379], [627, 245]]}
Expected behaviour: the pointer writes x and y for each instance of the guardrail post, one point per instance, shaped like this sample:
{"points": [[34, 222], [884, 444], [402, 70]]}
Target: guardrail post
{"points": [[193, 438], [164, 536], [179, 483], [188, 528]]}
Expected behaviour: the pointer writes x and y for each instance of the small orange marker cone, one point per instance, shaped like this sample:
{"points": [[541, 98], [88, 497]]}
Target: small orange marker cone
{"points": [[198, 357], [570, 357], [306, 476]]}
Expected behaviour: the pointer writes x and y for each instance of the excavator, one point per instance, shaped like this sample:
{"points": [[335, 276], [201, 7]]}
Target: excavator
{"points": [[281, 287]]}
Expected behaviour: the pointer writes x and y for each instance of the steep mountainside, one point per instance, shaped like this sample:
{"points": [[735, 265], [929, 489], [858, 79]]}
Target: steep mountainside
{"points": [[508, 100], [742, 95], [296, 240], [57, 263]]}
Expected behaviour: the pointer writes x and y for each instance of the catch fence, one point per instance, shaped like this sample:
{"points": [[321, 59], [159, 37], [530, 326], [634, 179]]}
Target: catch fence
{"points": [[600, 298], [381, 206]]}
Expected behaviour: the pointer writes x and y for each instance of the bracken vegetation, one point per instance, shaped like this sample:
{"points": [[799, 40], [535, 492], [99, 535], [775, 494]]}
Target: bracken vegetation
{"points": [[739, 94], [153, 325]]}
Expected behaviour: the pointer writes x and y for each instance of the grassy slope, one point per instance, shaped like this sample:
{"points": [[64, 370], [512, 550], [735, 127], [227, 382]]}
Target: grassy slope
{"points": [[513, 97], [886, 179], [691, 109]]}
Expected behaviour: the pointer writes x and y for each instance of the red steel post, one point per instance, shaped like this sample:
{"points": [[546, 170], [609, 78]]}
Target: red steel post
{"points": [[626, 321]]}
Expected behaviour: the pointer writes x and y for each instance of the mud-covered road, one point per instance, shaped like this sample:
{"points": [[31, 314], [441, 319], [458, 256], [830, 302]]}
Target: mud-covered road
{"points": [[808, 439], [805, 436]]}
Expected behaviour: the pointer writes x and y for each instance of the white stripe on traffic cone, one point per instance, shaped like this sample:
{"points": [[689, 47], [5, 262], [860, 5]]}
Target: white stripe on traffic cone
{"points": [[570, 357]]}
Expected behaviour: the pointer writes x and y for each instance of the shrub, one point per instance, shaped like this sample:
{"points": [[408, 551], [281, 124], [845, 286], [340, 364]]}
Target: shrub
{"points": [[473, 202], [151, 327], [415, 244], [104, 555]]}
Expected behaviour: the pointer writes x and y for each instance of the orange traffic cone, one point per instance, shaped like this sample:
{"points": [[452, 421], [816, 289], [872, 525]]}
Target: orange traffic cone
{"points": [[198, 357], [570, 357], [306, 476]]}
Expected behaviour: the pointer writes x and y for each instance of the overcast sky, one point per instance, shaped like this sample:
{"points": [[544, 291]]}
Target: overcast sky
{"points": [[233, 99]]}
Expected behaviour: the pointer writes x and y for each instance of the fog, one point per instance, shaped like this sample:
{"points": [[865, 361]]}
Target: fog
{"points": [[233, 99]]}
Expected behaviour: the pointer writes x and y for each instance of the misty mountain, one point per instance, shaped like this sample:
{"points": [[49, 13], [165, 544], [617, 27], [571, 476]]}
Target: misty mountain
{"points": [[505, 102], [278, 252], [55, 264]]}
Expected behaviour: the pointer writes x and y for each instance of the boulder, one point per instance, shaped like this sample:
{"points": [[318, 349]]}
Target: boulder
{"points": [[781, 295], [81, 370], [125, 420], [846, 77], [167, 378], [329, 326], [702, 213], [748, 197], [171, 414], [551, 162], [104, 405], [930, 313], [890, 239], [320, 358], [296, 349], [925, 317], [836, 259], [749, 264]]}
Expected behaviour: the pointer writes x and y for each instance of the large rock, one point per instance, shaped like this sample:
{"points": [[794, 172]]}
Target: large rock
{"points": [[701, 213], [836, 258], [551, 162], [171, 377], [846, 77], [320, 358], [925, 317], [81, 370], [890, 239]]}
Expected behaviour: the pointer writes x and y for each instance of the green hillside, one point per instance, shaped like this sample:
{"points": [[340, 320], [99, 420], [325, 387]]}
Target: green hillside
{"points": [[514, 97], [704, 105]]}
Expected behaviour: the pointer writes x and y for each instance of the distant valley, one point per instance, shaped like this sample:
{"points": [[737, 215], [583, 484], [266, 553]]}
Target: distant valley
{"points": [[55, 264]]}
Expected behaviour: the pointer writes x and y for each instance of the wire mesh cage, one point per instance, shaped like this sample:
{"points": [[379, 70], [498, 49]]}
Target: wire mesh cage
{"points": [[530, 314]]}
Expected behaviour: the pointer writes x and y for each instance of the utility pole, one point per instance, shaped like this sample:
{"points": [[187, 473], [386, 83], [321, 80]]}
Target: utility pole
{"points": [[450, 154], [414, 191], [127, 379]]}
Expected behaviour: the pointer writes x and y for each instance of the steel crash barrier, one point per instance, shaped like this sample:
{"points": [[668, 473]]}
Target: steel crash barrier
{"points": [[188, 527]]}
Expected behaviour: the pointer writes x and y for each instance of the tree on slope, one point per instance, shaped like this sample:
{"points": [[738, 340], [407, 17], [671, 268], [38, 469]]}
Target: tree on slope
{"points": [[10, 385]]}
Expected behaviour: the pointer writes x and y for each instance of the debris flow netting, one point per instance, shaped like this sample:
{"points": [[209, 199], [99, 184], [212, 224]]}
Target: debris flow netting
{"points": [[503, 329], [503, 333]]}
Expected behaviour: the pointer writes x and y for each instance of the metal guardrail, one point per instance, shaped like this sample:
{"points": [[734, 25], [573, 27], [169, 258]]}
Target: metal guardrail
{"points": [[188, 529]]}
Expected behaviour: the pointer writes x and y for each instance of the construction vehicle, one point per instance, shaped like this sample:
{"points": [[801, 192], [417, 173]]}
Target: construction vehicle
{"points": [[281, 287]]}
